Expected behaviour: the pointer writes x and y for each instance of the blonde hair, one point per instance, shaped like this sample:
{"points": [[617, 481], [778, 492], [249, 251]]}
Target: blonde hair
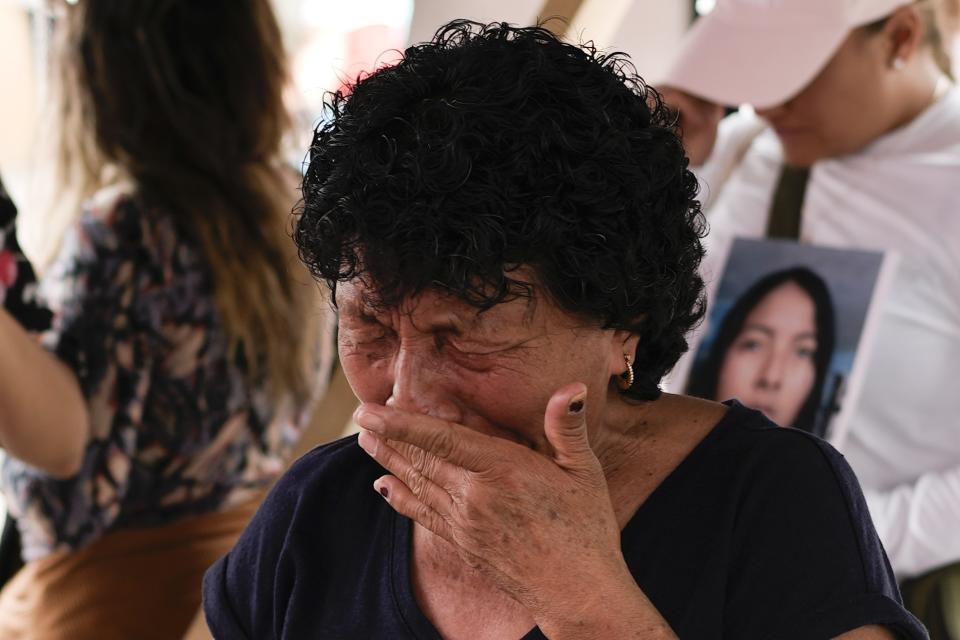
{"points": [[940, 22], [940, 25], [183, 101]]}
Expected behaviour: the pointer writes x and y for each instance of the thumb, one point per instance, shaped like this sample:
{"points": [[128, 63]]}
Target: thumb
{"points": [[565, 424]]}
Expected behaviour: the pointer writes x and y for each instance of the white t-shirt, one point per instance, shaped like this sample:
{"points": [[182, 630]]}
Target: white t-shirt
{"points": [[902, 192]]}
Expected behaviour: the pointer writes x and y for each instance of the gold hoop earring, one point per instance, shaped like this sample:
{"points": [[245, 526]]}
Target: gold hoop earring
{"points": [[625, 379]]}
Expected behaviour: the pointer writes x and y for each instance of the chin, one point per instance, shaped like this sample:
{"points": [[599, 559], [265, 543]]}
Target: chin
{"points": [[801, 159]]}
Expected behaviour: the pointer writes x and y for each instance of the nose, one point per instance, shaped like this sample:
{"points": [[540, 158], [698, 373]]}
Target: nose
{"points": [[771, 373], [421, 386]]}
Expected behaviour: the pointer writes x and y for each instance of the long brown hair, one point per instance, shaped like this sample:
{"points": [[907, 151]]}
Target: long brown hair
{"points": [[183, 98]]}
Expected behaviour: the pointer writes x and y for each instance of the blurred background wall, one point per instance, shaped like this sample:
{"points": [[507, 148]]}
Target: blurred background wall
{"points": [[646, 29], [330, 42], [19, 91]]}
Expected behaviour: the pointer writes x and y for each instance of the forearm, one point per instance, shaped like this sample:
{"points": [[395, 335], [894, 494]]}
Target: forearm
{"points": [[617, 609], [43, 416], [917, 523]]}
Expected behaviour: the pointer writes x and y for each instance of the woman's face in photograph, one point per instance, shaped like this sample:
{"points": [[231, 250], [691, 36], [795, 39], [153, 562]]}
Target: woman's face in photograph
{"points": [[770, 364]]}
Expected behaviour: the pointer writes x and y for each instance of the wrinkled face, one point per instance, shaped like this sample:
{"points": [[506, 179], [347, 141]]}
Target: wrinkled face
{"points": [[842, 110], [492, 371], [770, 364]]}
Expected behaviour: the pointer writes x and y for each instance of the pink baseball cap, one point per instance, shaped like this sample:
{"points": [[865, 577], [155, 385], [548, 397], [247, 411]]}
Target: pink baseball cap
{"points": [[763, 52]]}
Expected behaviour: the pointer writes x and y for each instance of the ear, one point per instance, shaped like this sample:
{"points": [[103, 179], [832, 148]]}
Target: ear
{"points": [[622, 343], [903, 35]]}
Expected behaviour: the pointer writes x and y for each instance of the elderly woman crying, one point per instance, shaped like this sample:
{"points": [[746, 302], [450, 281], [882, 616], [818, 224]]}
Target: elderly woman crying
{"points": [[513, 239]]}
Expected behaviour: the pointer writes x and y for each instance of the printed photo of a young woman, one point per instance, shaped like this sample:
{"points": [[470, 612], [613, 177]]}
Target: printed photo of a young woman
{"points": [[785, 329]]}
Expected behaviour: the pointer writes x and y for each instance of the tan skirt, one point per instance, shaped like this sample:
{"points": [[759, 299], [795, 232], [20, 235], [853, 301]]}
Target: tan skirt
{"points": [[133, 583]]}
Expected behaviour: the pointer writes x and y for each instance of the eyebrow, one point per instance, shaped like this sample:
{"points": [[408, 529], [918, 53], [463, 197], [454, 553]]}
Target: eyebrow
{"points": [[454, 324], [769, 332], [450, 325]]}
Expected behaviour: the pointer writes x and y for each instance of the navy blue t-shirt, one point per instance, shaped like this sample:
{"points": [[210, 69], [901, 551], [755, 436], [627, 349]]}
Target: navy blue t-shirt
{"points": [[761, 532]]}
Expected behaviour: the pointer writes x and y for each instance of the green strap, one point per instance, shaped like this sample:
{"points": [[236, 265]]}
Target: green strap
{"points": [[784, 219], [935, 599]]}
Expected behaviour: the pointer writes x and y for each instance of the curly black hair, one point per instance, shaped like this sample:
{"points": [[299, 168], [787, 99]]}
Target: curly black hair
{"points": [[494, 147]]}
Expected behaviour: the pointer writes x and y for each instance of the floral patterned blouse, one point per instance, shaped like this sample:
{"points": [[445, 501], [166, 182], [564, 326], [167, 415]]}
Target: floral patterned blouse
{"points": [[18, 285], [176, 429]]}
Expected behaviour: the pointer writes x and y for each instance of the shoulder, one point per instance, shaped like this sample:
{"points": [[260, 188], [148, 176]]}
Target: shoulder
{"points": [[341, 466], [332, 480], [790, 465], [117, 220], [111, 210], [341, 461], [790, 488], [804, 551], [109, 233], [760, 438], [99, 261], [120, 250], [935, 131], [311, 515]]}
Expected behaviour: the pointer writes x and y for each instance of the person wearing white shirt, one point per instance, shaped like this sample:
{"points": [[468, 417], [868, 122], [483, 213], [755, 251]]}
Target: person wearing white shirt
{"points": [[856, 92]]}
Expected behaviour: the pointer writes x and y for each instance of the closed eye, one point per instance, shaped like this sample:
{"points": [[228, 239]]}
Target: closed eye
{"points": [[466, 355], [364, 334]]}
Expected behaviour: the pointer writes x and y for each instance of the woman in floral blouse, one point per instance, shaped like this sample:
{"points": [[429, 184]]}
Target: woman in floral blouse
{"points": [[182, 357], [18, 296]]}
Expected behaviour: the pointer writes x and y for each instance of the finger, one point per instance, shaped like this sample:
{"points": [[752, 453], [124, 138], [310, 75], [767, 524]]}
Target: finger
{"points": [[399, 496], [683, 104], [691, 118], [435, 468], [565, 425], [419, 479], [711, 115], [696, 115], [449, 441]]}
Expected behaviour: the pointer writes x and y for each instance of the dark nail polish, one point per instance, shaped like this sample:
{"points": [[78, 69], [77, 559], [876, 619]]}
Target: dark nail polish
{"points": [[576, 406], [384, 492]]}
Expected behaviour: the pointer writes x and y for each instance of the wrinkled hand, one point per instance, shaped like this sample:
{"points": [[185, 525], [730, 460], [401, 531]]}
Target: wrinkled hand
{"points": [[698, 120], [537, 525]]}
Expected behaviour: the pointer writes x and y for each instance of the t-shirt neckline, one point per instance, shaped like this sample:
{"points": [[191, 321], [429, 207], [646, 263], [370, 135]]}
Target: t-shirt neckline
{"points": [[401, 578]]}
